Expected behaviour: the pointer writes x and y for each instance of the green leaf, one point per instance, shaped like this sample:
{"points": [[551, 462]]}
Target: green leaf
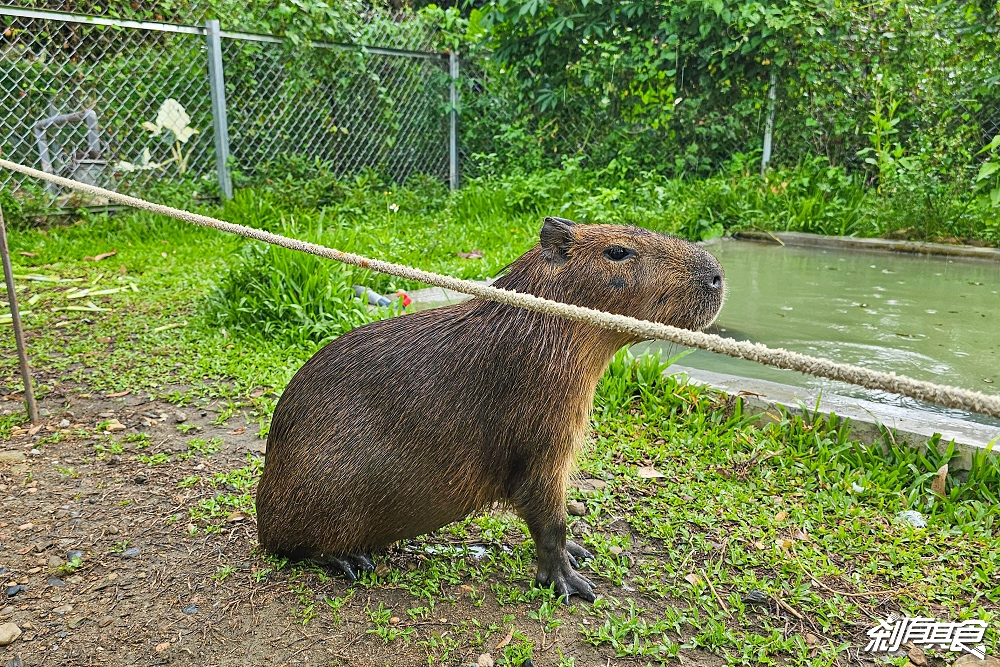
{"points": [[986, 170], [992, 146]]}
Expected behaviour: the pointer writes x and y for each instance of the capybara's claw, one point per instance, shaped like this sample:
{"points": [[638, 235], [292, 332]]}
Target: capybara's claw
{"points": [[344, 566], [576, 554], [568, 583], [349, 566], [362, 562]]}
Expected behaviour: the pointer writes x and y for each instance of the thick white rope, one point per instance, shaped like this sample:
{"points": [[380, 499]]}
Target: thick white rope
{"points": [[952, 397]]}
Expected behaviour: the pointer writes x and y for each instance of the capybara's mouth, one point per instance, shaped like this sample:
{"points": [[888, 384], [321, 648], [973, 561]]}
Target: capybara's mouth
{"points": [[706, 321]]}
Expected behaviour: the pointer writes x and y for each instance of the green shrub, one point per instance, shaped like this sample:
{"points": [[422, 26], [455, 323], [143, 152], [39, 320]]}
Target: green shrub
{"points": [[299, 299]]}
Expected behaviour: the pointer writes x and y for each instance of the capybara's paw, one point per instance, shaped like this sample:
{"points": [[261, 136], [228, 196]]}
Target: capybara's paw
{"points": [[349, 566], [566, 582], [576, 554]]}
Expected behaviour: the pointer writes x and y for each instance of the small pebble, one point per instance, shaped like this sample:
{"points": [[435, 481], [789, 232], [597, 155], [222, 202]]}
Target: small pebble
{"points": [[9, 632], [755, 597], [180, 417], [64, 423], [14, 590], [44, 412], [35, 452], [105, 621], [74, 554], [55, 582], [615, 550], [190, 609], [576, 508], [75, 622], [485, 660], [139, 479], [131, 552], [65, 609], [55, 561], [917, 656]]}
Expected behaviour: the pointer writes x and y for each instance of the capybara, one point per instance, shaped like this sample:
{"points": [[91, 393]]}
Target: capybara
{"points": [[404, 425]]}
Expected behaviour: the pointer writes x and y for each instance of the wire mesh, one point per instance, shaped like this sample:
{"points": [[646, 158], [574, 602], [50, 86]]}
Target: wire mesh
{"points": [[495, 114], [130, 109], [700, 139], [123, 78], [368, 23], [349, 109]]}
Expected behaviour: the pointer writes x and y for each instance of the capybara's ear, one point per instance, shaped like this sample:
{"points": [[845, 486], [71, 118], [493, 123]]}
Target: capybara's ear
{"points": [[557, 238]]}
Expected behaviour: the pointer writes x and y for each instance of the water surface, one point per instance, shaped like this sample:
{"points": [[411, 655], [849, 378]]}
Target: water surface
{"points": [[931, 318]]}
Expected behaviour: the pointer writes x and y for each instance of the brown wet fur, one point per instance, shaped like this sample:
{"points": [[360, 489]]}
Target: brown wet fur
{"points": [[405, 425]]}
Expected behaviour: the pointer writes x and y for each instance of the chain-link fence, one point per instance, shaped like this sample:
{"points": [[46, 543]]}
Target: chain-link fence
{"points": [[693, 122], [75, 98], [368, 24], [129, 105], [348, 109]]}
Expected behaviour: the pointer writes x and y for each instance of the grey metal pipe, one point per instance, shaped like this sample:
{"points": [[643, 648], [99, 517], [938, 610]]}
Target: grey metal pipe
{"points": [[22, 355], [453, 121], [87, 116]]}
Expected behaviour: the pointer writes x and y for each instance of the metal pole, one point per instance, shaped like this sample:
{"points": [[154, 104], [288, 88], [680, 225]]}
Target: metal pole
{"points": [[769, 128], [220, 122], [453, 121], [15, 314]]}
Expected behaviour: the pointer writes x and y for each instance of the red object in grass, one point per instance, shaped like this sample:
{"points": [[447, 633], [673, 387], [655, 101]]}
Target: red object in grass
{"points": [[405, 297]]}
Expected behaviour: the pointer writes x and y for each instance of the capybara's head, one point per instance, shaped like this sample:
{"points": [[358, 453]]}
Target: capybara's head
{"points": [[626, 270]]}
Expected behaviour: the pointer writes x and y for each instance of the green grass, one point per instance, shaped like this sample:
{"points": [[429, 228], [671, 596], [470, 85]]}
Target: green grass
{"points": [[796, 510]]}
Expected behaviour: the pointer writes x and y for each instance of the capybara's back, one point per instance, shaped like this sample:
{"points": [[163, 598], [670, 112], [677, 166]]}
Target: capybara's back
{"points": [[405, 425]]}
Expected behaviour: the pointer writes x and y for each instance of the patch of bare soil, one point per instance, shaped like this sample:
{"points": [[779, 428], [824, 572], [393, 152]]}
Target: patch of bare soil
{"points": [[144, 590]]}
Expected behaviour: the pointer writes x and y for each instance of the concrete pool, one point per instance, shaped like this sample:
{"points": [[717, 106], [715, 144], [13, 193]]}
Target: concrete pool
{"points": [[930, 317]]}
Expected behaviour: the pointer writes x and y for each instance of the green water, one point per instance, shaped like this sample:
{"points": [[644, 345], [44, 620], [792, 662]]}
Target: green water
{"points": [[931, 318]]}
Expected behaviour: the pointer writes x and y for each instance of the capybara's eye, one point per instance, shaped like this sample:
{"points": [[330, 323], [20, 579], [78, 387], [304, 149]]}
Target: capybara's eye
{"points": [[616, 253]]}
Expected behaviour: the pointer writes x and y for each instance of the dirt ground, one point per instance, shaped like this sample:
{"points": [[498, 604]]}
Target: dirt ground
{"points": [[147, 591]]}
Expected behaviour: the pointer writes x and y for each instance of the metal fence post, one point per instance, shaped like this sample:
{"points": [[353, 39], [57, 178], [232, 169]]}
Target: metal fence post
{"points": [[769, 127], [453, 121], [220, 123], [15, 315]]}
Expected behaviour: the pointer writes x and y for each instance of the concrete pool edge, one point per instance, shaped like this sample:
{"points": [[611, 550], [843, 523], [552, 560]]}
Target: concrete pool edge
{"points": [[801, 239], [869, 420]]}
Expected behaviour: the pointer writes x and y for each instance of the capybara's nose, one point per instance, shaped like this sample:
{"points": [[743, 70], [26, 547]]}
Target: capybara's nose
{"points": [[717, 281]]}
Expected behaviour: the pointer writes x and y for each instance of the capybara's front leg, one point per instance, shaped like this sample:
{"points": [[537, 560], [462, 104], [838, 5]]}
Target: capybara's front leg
{"points": [[545, 514]]}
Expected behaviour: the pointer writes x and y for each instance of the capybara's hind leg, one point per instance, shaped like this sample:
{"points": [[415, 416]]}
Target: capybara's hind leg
{"points": [[349, 566]]}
